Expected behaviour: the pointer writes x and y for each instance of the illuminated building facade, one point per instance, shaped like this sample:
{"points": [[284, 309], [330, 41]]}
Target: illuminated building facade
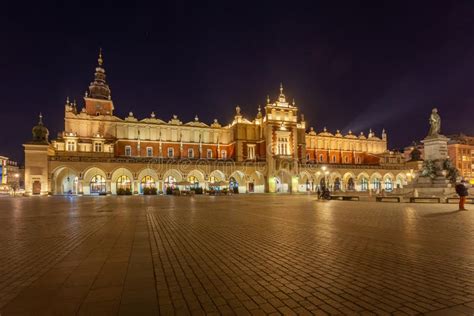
{"points": [[99, 153], [9, 175]]}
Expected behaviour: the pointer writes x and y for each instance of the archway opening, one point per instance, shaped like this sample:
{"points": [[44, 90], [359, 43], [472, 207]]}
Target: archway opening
{"points": [[233, 185], [124, 185], [69, 185], [170, 184], [350, 184], [194, 182], [376, 184], [148, 185], [97, 185], [364, 184], [337, 184]]}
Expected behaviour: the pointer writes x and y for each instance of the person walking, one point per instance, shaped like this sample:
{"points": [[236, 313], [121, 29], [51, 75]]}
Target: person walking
{"points": [[462, 191]]}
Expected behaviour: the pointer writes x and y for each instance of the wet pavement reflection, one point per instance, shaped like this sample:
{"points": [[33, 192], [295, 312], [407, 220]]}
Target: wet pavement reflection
{"points": [[241, 254]]}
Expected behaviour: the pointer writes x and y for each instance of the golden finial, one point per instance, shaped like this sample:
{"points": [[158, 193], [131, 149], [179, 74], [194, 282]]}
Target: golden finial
{"points": [[268, 99], [294, 103], [40, 119], [100, 60], [281, 88]]}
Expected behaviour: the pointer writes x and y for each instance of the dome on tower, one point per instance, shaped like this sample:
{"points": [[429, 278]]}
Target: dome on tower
{"points": [[40, 132]]}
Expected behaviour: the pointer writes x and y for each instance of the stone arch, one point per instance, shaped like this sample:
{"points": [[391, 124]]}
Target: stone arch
{"points": [[400, 180], [198, 175], [362, 183], [217, 174], [239, 178], [145, 172], [375, 182], [281, 181], [347, 183], [335, 181], [65, 180], [305, 181], [173, 173], [388, 182], [256, 182], [87, 176], [318, 175], [118, 172]]}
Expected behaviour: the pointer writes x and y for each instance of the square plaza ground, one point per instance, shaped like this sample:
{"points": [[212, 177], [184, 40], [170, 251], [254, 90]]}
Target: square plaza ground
{"points": [[241, 254]]}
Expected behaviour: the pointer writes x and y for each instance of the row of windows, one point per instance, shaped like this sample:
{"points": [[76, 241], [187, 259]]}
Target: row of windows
{"points": [[71, 146], [170, 152], [333, 160]]}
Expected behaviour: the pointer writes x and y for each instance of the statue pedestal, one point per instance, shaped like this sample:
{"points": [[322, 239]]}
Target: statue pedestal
{"points": [[435, 147]]}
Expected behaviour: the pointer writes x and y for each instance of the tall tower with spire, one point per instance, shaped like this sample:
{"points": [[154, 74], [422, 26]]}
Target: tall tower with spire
{"points": [[98, 99]]}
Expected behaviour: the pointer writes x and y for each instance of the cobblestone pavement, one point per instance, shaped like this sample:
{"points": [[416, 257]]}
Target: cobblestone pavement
{"points": [[242, 254]]}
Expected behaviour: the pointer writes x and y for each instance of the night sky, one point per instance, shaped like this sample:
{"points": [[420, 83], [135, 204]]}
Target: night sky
{"points": [[349, 66]]}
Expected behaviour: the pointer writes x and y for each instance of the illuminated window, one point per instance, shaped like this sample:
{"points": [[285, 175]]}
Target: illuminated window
{"points": [[97, 184], [149, 151], [376, 185], [71, 146], [147, 182], [364, 184], [128, 150], [194, 182], [98, 147], [388, 184], [283, 146], [223, 154], [251, 151], [209, 153], [123, 182], [190, 153], [169, 182], [170, 152]]}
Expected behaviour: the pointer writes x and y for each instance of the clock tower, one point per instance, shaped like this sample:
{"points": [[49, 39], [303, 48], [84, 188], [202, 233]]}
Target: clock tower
{"points": [[98, 100]]}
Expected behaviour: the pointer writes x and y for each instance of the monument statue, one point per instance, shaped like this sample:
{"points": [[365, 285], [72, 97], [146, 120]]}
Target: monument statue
{"points": [[435, 123]]}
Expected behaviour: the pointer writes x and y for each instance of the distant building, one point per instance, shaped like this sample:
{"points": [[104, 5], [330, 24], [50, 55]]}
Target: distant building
{"points": [[10, 176], [460, 151], [100, 153]]}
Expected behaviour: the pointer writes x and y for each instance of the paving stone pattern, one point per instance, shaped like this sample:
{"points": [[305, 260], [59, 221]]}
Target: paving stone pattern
{"points": [[241, 254]]}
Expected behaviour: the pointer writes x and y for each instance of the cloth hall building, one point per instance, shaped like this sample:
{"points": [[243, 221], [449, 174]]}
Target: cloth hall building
{"points": [[100, 153]]}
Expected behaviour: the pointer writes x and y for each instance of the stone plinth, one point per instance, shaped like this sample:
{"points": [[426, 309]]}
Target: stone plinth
{"points": [[435, 147]]}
